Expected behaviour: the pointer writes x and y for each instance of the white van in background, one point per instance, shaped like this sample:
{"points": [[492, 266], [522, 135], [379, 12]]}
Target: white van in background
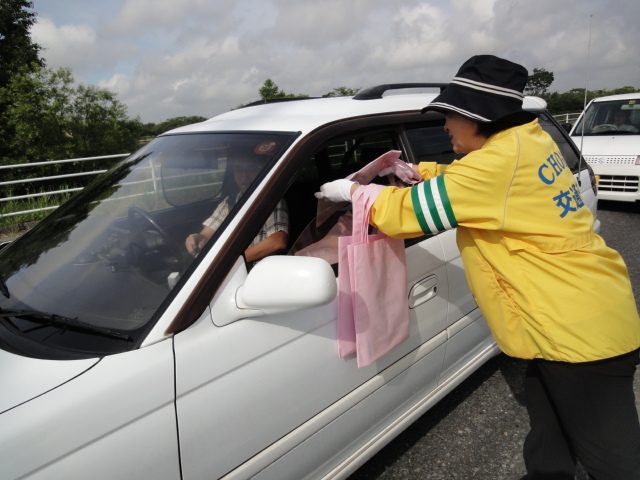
{"points": [[608, 134]]}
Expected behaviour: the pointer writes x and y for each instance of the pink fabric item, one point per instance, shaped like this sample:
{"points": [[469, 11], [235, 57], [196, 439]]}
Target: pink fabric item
{"points": [[346, 327], [391, 159], [327, 247], [373, 310]]}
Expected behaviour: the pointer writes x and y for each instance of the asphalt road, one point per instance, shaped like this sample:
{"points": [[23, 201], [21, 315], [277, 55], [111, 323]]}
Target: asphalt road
{"points": [[477, 431]]}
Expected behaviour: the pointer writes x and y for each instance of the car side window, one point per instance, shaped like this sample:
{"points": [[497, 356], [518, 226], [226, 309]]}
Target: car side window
{"points": [[315, 235], [561, 139], [430, 143]]}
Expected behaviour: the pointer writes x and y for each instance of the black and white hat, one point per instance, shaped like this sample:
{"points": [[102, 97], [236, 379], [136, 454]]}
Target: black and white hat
{"points": [[485, 89]]}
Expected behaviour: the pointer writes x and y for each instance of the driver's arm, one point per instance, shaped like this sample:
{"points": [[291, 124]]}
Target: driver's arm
{"points": [[196, 241], [274, 243], [277, 241], [275, 233]]}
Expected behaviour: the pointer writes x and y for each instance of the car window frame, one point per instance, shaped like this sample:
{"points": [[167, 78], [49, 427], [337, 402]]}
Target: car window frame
{"points": [[278, 180]]}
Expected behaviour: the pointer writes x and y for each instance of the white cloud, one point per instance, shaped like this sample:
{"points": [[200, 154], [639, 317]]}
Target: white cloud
{"points": [[139, 17], [479, 10], [118, 83], [77, 41], [197, 57], [324, 24], [419, 37]]}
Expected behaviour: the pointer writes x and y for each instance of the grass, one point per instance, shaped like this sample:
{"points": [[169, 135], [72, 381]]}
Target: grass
{"points": [[13, 224]]}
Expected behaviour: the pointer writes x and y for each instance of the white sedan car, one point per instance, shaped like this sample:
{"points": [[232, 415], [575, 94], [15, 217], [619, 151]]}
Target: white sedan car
{"points": [[124, 356], [608, 133]]}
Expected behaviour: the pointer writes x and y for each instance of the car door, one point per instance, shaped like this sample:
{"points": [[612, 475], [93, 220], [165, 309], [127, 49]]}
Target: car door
{"points": [[268, 396], [468, 335]]}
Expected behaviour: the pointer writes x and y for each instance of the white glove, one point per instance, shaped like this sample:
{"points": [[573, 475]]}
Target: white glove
{"points": [[336, 191]]}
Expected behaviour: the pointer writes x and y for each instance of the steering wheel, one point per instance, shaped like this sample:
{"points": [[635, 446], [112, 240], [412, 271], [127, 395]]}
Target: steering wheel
{"points": [[604, 127], [173, 246]]}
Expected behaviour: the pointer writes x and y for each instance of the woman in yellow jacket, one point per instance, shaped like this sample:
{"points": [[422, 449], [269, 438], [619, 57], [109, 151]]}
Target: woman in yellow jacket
{"points": [[551, 290]]}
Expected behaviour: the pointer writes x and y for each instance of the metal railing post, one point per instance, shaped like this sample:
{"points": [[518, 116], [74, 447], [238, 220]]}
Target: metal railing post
{"points": [[51, 177]]}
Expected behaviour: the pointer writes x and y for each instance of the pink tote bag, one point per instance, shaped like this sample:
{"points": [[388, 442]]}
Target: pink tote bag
{"points": [[346, 329], [373, 313]]}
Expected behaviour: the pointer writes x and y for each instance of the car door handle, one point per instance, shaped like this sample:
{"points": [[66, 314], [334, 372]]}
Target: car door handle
{"points": [[423, 291]]}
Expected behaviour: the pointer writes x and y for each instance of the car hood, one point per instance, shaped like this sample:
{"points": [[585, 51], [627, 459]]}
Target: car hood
{"points": [[24, 378], [608, 145]]}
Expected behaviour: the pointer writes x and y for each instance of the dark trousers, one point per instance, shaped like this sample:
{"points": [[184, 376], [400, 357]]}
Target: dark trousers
{"points": [[585, 411]]}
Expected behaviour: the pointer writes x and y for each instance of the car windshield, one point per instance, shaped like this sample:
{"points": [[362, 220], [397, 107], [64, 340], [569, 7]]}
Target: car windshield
{"points": [[93, 276], [611, 118]]}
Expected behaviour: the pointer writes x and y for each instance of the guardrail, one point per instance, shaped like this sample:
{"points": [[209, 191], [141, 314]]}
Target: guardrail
{"points": [[52, 177], [567, 117]]}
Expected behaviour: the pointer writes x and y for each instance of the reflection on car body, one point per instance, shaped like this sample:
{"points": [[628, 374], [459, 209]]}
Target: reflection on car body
{"points": [[208, 367]]}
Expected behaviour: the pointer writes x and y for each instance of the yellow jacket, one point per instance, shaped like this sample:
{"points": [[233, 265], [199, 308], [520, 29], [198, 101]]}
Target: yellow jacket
{"points": [[548, 286]]}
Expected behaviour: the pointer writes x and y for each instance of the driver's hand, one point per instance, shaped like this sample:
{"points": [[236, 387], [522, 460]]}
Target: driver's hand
{"points": [[194, 243]]}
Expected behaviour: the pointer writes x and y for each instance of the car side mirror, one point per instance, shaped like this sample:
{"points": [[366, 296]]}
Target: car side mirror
{"points": [[277, 284], [567, 126], [281, 284]]}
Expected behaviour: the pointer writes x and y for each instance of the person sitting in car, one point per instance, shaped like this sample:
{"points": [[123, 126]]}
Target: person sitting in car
{"points": [[620, 123], [274, 234]]}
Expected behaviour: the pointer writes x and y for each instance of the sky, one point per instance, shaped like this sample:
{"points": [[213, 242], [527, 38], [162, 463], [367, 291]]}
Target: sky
{"points": [[169, 58]]}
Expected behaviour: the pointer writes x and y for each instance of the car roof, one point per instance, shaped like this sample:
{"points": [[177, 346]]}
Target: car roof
{"points": [[306, 114], [623, 96]]}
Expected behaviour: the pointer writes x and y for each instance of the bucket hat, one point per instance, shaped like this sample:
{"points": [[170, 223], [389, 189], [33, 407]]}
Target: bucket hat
{"points": [[486, 88]]}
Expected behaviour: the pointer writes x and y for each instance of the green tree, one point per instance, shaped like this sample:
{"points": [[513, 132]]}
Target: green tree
{"points": [[271, 91], [17, 51], [153, 129], [615, 91], [98, 123], [567, 102], [538, 82], [53, 119], [16, 48], [573, 100], [342, 92], [38, 107]]}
